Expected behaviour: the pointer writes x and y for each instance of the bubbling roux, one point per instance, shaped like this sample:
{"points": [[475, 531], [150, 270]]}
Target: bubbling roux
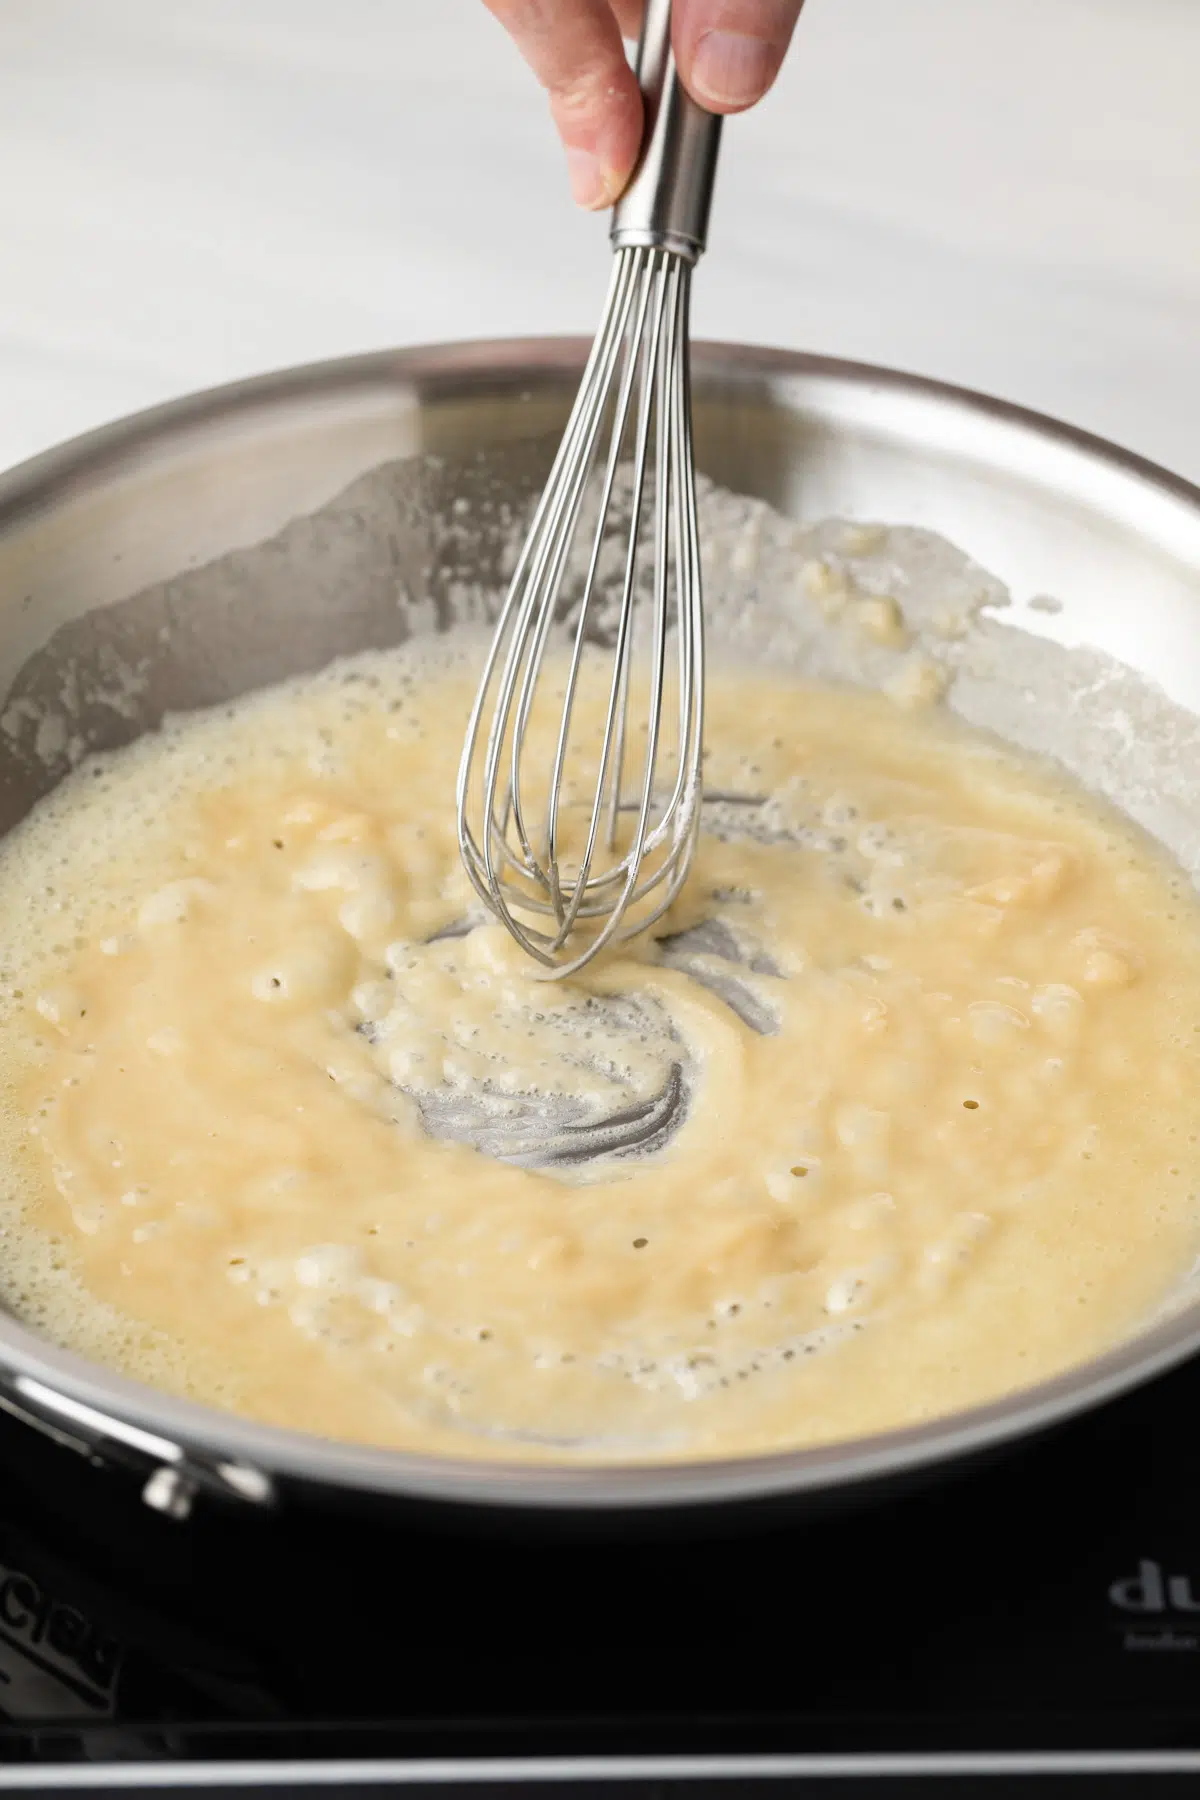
{"points": [[917, 1048]]}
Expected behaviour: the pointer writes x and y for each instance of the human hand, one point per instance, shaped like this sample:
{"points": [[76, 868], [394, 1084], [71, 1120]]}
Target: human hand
{"points": [[728, 53]]}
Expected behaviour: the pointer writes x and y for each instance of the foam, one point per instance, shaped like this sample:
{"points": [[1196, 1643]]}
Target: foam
{"points": [[77, 864]]}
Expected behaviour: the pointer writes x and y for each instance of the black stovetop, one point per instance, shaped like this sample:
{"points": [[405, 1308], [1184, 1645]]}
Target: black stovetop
{"points": [[1039, 1615]]}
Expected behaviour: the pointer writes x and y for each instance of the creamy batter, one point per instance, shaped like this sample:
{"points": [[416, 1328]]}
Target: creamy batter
{"points": [[918, 1046]]}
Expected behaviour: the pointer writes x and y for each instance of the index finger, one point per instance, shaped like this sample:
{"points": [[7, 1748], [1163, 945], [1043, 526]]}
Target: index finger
{"points": [[574, 48]]}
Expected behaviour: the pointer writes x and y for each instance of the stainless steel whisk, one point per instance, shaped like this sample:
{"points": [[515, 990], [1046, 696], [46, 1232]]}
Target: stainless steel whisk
{"points": [[636, 385]]}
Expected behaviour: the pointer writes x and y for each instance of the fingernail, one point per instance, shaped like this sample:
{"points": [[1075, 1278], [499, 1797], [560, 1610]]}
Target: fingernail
{"points": [[731, 69], [591, 184]]}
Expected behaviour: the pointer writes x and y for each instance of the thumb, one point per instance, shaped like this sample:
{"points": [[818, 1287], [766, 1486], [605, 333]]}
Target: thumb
{"points": [[729, 51]]}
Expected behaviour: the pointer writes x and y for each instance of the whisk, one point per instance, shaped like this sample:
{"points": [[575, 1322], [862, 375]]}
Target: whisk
{"points": [[636, 389]]}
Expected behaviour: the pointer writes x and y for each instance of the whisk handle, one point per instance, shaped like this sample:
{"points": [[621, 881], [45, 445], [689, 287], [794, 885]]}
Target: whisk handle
{"points": [[667, 202]]}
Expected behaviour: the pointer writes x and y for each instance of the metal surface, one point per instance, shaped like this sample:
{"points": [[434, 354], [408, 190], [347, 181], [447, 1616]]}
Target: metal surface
{"points": [[667, 203], [558, 1132], [240, 536], [640, 1775]]}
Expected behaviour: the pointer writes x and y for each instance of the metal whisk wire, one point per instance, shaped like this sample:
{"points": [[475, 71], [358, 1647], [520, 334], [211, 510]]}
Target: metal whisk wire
{"points": [[636, 386]]}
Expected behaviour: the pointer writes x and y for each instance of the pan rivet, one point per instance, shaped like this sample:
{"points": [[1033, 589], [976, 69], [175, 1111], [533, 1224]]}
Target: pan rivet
{"points": [[169, 1492]]}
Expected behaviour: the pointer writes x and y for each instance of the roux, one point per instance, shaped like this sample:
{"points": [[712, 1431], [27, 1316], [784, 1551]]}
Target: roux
{"points": [[934, 1142]]}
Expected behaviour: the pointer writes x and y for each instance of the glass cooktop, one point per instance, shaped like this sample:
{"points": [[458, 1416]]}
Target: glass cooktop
{"points": [[1030, 1625]]}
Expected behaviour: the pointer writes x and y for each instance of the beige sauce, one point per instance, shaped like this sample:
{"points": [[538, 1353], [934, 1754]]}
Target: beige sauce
{"points": [[957, 1155]]}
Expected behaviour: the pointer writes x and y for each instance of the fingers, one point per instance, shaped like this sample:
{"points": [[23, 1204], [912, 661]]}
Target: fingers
{"points": [[629, 16], [729, 51], [574, 48]]}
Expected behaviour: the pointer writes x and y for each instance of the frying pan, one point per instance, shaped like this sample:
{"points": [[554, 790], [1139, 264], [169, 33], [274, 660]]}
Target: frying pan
{"points": [[203, 549]]}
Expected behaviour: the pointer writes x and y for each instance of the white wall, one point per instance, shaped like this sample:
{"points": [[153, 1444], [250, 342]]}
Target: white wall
{"points": [[1004, 193]]}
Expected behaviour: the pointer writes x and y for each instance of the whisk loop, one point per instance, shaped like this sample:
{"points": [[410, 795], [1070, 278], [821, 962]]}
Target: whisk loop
{"points": [[566, 893]]}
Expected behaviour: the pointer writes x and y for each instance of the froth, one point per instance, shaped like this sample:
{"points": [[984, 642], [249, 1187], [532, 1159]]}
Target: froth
{"points": [[75, 869]]}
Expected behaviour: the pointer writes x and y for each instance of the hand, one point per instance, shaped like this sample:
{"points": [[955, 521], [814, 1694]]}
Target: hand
{"points": [[728, 52]]}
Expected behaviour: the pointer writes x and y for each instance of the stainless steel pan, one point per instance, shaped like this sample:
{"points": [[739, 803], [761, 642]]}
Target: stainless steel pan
{"points": [[233, 538]]}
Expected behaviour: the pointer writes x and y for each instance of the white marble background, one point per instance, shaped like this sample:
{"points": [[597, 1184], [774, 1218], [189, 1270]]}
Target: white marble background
{"points": [[1003, 193]]}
